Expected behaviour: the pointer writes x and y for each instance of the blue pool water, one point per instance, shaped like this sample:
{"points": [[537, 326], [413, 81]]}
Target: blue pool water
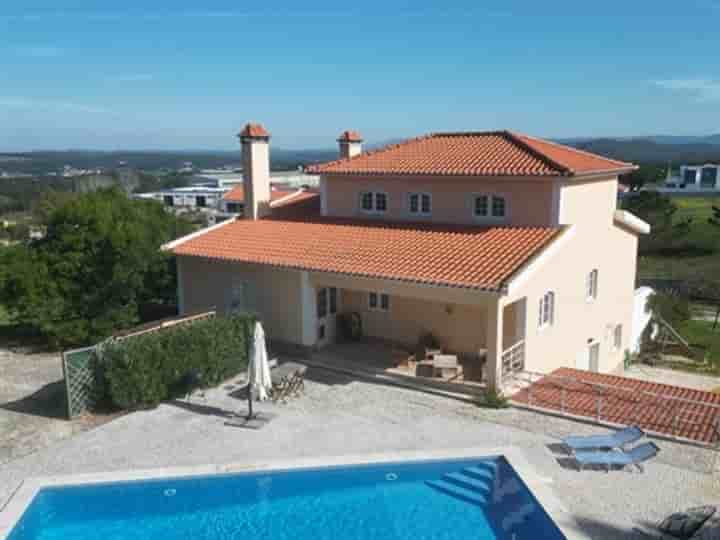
{"points": [[479, 499]]}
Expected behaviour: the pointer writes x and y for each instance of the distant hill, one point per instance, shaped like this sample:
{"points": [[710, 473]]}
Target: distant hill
{"points": [[650, 151]]}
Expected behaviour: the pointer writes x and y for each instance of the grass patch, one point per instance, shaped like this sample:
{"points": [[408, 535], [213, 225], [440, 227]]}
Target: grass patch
{"points": [[701, 333], [696, 254]]}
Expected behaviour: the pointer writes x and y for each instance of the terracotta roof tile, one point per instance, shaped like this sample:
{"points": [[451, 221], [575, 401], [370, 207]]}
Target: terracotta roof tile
{"points": [[237, 194], [629, 401], [457, 256], [254, 130], [350, 136], [498, 153]]}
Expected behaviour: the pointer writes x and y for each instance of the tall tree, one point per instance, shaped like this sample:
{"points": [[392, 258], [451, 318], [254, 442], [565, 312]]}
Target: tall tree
{"points": [[99, 261]]}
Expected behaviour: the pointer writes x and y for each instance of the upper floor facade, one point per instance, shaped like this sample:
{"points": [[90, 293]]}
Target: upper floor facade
{"points": [[497, 178]]}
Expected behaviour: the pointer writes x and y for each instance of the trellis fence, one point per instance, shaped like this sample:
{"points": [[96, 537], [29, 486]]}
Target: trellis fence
{"points": [[82, 368]]}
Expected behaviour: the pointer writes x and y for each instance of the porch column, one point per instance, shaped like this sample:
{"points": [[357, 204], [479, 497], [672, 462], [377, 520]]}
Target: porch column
{"points": [[494, 343], [308, 310]]}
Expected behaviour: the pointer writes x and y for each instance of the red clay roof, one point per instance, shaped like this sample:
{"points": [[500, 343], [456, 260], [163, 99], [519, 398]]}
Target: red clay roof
{"points": [[237, 194], [254, 130], [496, 153], [457, 256], [350, 136], [628, 401]]}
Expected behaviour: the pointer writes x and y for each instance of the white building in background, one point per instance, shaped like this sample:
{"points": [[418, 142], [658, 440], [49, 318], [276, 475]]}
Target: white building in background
{"points": [[698, 178]]}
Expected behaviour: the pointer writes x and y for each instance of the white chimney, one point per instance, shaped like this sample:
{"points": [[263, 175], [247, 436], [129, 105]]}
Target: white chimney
{"points": [[350, 144], [255, 142]]}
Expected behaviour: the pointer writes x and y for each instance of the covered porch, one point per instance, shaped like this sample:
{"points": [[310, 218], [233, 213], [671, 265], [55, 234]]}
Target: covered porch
{"points": [[404, 327]]}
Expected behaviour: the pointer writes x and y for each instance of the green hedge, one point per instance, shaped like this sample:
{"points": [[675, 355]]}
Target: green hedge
{"points": [[145, 370]]}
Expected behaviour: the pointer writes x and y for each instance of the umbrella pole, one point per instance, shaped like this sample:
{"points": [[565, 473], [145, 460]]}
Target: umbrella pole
{"points": [[250, 411]]}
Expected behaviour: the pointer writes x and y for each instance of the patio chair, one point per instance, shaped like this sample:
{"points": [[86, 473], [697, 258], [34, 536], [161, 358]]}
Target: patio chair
{"points": [[287, 380], [611, 441], [635, 457]]}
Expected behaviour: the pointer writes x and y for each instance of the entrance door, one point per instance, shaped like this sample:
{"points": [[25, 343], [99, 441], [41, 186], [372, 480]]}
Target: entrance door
{"points": [[327, 308], [594, 356]]}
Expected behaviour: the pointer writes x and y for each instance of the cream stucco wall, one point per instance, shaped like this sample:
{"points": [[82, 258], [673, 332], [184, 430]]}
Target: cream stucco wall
{"points": [[459, 328], [529, 201], [589, 202], [593, 245], [274, 294]]}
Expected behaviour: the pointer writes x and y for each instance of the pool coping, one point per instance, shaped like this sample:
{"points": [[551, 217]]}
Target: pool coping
{"points": [[540, 486]]}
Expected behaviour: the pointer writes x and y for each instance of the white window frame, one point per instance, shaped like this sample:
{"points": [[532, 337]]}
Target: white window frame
{"points": [[617, 337], [546, 310], [378, 301], [489, 216], [420, 196], [373, 202], [591, 285]]}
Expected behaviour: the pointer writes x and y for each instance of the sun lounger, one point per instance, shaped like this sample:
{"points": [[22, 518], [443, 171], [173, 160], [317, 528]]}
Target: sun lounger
{"points": [[618, 439], [636, 456]]}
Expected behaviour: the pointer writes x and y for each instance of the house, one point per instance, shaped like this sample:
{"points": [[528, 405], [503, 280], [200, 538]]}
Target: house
{"points": [[699, 178], [508, 248]]}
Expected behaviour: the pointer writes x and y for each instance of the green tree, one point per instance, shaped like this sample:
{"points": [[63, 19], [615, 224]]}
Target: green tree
{"points": [[659, 211], [99, 261], [715, 218]]}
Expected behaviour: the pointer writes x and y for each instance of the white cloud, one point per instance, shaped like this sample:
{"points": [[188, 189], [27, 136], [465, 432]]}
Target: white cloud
{"points": [[51, 106], [702, 89], [130, 77]]}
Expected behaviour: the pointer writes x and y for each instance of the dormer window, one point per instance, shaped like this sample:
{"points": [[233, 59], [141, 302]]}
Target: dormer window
{"points": [[419, 204], [487, 206], [373, 202]]}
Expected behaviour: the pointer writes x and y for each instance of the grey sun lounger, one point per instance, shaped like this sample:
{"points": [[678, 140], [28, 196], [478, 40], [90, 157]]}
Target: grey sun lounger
{"points": [[618, 439], [636, 456]]}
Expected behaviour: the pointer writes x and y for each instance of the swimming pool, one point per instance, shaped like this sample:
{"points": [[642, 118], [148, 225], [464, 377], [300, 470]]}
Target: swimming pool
{"points": [[471, 498]]}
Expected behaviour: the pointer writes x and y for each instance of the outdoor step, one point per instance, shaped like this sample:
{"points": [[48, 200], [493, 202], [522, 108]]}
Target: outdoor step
{"points": [[481, 473], [458, 492], [468, 482]]}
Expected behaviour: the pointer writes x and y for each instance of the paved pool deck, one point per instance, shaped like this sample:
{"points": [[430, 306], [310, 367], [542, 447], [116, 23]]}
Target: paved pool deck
{"points": [[339, 416]]}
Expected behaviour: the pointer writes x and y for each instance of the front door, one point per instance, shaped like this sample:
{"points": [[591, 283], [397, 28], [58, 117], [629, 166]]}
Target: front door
{"points": [[327, 308]]}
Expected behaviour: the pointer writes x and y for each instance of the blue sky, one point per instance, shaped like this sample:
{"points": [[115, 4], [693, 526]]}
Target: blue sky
{"points": [[177, 74]]}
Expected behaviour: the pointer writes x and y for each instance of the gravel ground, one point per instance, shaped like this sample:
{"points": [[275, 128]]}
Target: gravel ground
{"points": [[674, 377], [32, 404], [339, 415]]}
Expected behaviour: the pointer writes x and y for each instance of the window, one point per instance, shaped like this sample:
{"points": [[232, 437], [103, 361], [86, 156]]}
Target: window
{"points": [[333, 300], [617, 337], [201, 201], [378, 301], [690, 176], [419, 203], [708, 177], [233, 208], [168, 200], [591, 285], [322, 303], [373, 202], [240, 296], [490, 206], [546, 313]]}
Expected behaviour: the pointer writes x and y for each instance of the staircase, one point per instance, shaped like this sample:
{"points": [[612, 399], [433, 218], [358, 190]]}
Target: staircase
{"points": [[471, 484]]}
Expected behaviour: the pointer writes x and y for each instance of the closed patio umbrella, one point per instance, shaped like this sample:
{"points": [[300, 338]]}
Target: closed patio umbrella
{"points": [[259, 382]]}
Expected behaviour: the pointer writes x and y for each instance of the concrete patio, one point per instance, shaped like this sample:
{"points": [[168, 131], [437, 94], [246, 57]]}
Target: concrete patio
{"points": [[339, 415]]}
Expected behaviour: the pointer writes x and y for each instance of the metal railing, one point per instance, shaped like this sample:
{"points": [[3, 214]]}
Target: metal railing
{"points": [[647, 407], [513, 359]]}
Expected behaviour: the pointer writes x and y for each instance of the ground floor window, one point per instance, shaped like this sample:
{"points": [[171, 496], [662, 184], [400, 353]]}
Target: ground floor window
{"points": [[379, 301], [327, 300]]}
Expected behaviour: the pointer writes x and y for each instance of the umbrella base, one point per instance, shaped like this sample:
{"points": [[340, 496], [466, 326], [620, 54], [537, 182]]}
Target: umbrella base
{"points": [[250, 421]]}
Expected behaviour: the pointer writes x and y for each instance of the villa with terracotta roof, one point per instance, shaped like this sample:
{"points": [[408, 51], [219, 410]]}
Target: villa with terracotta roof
{"points": [[507, 248]]}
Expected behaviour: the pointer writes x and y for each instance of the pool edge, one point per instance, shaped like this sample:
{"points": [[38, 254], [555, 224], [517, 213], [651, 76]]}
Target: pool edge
{"points": [[540, 486]]}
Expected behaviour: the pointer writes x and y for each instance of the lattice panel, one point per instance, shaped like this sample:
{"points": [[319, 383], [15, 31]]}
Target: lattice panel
{"points": [[79, 368]]}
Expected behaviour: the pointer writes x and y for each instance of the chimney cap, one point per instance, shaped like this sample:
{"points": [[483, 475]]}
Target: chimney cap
{"points": [[350, 136], [253, 130]]}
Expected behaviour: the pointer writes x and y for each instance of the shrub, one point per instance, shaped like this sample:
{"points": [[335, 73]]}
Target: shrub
{"points": [[494, 399], [674, 308], [144, 370]]}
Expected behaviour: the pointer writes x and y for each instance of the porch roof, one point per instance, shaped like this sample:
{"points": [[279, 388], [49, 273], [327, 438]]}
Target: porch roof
{"points": [[471, 257]]}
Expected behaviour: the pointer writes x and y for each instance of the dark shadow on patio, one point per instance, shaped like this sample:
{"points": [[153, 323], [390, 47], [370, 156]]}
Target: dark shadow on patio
{"points": [[48, 402]]}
